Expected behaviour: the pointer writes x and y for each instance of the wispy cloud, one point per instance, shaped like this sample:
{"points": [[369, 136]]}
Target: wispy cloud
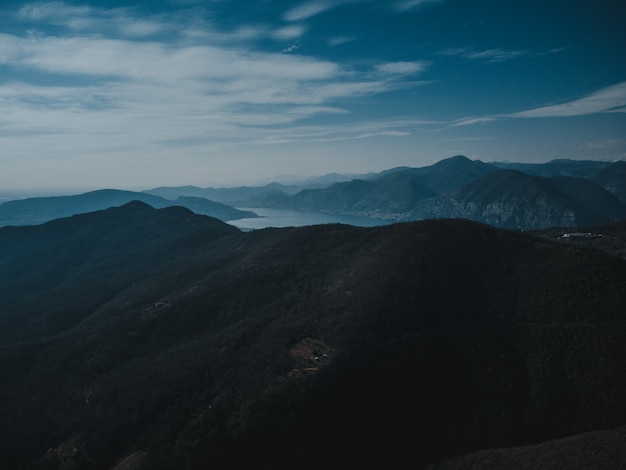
{"points": [[611, 99], [406, 5], [309, 9], [122, 21], [402, 68], [486, 55], [338, 40], [353, 131], [495, 55], [312, 8]]}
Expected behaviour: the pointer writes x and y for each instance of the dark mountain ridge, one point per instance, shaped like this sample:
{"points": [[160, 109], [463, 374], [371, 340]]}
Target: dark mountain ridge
{"points": [[173, 340]]}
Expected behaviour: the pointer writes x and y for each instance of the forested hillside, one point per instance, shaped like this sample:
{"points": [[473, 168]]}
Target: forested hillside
{"points": [[165, 339]]}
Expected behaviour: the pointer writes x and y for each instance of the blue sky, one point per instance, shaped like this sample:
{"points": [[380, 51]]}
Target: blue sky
{"points": [[140, 94]]}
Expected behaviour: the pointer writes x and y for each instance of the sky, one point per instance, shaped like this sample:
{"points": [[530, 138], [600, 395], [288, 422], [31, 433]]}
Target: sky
{"points": [[139, 94]]}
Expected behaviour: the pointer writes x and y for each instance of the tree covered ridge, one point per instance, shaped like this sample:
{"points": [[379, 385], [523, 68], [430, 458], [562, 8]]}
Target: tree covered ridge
{"points": [[441, 337]]}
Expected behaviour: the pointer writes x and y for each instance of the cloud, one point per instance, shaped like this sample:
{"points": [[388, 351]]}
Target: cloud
{"points": [[105, 95], [406, 5], [347, 132], [313, 8], [486, 55], [289, 32], [338, 40], [309, 9], [611, 99], [46, 11], [121, 21], [402, 68], [291, 48], [494, 55]]}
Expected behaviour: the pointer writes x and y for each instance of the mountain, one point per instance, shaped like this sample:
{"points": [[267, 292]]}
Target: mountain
{"points": [[512, 199], [58, 261], [592, 195], [160, 338], [599, 449], [388, 195], [558, 167], [449, 174], [613, 179], [251, 195], [37, 210], [458, 187], [382, 197], [237, 196]]}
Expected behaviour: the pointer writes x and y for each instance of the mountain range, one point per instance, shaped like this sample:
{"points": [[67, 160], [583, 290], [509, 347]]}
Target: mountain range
{"points": [[559, 193], [518, 196], [145, 338], [37, 210]]}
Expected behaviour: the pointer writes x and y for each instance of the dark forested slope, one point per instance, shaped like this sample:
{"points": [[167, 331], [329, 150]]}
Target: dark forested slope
{"points": [[175, 341]]}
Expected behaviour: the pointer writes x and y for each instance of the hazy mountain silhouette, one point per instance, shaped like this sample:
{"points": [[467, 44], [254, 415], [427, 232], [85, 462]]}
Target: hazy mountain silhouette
{"points": [[239, 196], [37, 210], [166, 339], [251, 195], [390, 194], [458, 187]]}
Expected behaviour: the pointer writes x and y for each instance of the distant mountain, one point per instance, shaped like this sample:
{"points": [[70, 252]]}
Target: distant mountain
{"points": [[558, 167], [162, 339], [37, 210], [449, 174], [382, 197], [251, 195], [389, 194], [458, 187], [528, 197], [236, 196], [613, 179], [516, 200], [592, 195]]}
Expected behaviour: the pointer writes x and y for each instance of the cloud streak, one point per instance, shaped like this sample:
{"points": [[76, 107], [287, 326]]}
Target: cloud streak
{"points": [[494, 55], [407, 5], [611, 99]]}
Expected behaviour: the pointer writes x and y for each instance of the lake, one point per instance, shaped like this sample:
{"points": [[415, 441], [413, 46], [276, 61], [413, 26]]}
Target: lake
{"points": [[292, 218]]}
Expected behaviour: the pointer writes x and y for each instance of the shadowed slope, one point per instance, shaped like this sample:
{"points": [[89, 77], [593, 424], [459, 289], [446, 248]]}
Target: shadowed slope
{"points": [[432, 339]]}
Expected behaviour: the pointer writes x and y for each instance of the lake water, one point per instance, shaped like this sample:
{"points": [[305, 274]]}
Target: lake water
{"points": [[291, 218]]}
